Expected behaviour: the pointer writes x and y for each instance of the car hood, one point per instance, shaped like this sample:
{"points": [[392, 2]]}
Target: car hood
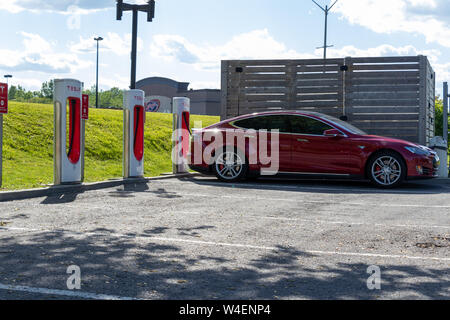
{"points": [[393, 140]]}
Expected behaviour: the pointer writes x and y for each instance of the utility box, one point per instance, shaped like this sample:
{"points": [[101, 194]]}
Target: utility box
{"points": [[387, 96]]}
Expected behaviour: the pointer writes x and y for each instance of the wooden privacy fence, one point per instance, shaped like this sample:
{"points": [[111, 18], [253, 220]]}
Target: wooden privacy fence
{"points": [[389, 96]]}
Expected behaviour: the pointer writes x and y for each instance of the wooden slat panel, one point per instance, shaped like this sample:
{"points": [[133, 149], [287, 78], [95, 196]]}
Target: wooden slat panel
{"points": [[257, 76], [376, 81], [386, 74], [264, 90], [386, 124], [394, 132], [317, 68], [268, 83], [303, 104], [355, 109], [332, 96], [384, 59], [412, 66], [325, 110], [384, 88], [386, 116], [262, 104], [381, 103], [274, 97], [314, 83], [383, 95], [319, 90], [319, 76], [264, 69]]}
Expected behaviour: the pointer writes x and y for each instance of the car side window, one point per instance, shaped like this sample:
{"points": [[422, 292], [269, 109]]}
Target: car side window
{"points": [[275, 122], [256, 123], [278, 122], [306, 125]]}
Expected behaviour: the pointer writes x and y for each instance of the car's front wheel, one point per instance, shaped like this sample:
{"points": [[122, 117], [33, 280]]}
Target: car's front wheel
{"points": [[230, 165], [386, 169]]}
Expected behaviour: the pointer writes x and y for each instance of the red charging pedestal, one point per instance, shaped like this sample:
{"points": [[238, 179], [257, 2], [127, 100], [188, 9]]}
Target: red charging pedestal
{"points": [[181, 138], [133, 135], [68, 132]]}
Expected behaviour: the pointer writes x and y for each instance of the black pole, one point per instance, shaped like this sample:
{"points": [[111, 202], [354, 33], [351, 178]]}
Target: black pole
{"points": [[96, 82], [134, 49], [325, 37]]}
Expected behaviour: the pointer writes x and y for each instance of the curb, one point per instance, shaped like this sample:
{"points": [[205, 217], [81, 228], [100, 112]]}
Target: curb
{"points": [[78, 188]]}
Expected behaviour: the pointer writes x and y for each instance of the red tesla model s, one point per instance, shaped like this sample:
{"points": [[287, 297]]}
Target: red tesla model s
{"points": [[308, 144]]}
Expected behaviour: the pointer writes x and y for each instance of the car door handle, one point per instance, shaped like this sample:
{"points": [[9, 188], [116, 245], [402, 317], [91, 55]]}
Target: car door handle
{"points": [[302, 140]]}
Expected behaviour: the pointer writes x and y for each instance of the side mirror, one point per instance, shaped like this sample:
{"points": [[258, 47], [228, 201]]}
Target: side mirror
{"points": [[334, 133]]}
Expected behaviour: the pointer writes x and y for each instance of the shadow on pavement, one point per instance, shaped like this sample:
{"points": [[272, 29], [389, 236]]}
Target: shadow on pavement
{"points": [[125, 267]]}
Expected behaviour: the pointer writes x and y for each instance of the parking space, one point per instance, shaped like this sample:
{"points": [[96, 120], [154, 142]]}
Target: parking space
{"points": [[197, 238]]}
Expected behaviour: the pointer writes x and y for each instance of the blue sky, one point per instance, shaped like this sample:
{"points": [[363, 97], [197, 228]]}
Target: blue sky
{"points": [[46, 39]]}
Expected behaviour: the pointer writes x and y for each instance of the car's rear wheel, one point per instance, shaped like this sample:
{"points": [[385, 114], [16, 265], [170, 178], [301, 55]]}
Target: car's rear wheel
{"points": [[230, 165], [386, 170]]}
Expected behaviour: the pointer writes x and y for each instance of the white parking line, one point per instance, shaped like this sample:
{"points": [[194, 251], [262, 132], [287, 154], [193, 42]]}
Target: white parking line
{"points": [[388, 205], [67, 293], [246, 216], [238, 245], [344, 188]]}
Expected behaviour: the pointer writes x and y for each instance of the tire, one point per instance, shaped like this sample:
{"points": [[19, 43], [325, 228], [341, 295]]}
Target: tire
{"points": [[386, 169], [230, 165]]}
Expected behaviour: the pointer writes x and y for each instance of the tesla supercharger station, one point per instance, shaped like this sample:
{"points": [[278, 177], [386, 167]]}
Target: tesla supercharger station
{"points": [[181, 113], [68, 129], [133, 133]]}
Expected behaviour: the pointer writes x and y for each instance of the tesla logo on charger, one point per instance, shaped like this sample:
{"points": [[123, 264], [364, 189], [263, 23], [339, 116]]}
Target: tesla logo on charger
{"points": [[153, 105], [73, 88], [3, 98]]}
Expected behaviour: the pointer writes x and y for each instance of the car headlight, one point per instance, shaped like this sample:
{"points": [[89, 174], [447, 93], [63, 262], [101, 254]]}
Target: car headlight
{"points": [[418, 151]]}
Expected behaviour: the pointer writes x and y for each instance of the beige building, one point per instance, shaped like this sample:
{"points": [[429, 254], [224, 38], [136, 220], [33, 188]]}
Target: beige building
{"points": [[160, 91]]}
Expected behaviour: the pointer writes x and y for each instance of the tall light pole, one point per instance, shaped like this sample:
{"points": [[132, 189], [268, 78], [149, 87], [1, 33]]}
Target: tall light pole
{"points": [[96, 77], [7, 76], [149, 8], [326, 10]]}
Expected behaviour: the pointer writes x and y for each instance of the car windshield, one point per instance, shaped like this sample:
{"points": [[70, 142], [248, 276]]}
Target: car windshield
{"points": [[349, 127]]}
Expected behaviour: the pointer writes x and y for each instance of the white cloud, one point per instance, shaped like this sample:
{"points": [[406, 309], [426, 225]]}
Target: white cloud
{"points": [[257, 44], [380, 51], [112, 42], [116, 80], [388, 16], [38, 55]]}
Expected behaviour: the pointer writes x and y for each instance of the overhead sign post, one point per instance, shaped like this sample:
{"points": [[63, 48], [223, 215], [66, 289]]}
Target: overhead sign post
{"points": [[3, 110]]}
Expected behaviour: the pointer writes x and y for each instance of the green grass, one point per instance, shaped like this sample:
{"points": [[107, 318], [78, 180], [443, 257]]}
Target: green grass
{"points": [[28, 144]]}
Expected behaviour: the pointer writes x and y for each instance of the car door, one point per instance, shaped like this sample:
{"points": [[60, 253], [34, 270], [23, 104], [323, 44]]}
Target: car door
{"points": [[268, 123], [312, 152]]}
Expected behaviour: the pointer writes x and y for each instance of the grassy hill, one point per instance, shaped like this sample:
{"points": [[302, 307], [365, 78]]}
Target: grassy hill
{"points": [[28, 144]]}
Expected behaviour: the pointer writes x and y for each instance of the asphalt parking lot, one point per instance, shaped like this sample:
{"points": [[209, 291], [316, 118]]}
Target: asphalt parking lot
{"points": [[197, 238]]}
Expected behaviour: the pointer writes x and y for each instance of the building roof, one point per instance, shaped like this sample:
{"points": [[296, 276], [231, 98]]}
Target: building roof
{"points": [[180, 86]]}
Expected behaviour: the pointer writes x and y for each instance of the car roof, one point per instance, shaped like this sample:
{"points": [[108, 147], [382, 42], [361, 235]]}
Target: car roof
{"points": [[276, 112]]}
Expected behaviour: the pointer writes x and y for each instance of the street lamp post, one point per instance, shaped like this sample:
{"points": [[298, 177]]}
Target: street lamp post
{"points": [[96, 77], [7, 76]]}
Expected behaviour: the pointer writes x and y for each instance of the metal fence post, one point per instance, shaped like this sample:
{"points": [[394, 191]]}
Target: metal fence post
{"points": [[445, 111]]}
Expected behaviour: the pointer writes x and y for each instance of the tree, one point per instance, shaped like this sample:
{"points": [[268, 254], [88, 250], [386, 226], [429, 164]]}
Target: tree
{"points": [[12, 92], [47, 89]]}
